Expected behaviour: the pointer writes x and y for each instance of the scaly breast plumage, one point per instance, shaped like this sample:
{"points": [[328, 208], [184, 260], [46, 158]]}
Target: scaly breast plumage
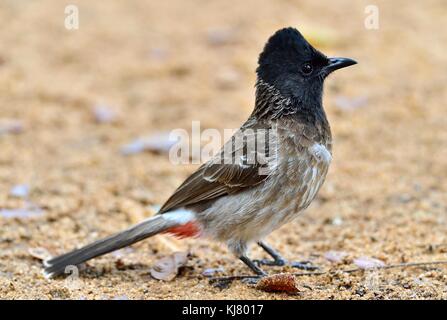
{"points": [[305, 173]]}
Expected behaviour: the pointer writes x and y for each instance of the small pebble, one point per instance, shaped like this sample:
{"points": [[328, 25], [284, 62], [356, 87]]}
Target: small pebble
{"points": [[25, 213], [158, 54], [104, 114], [123, 297], [10, 126], [19, 191], [212, 271], [337, 221], [368, 263], [335, 256]]}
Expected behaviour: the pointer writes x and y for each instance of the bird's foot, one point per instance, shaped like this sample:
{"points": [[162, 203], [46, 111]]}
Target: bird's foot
{"points": [[225, 282], [303, 265], [252, 281], [270, 262]]}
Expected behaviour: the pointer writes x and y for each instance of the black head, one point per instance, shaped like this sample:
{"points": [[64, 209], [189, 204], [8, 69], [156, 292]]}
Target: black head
{"points": [[290, 64]]}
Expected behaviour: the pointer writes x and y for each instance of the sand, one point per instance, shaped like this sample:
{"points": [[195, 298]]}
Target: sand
{"points": [[161, 65]]}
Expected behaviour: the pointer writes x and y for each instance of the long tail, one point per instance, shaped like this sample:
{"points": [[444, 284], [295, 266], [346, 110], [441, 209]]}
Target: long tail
{"points": [[152, 226]]}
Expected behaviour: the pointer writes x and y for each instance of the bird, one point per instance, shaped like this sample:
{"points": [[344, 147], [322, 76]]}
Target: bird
{"points": [[245, 192]]}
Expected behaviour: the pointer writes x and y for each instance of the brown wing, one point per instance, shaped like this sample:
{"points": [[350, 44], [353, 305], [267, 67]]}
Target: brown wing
{"points": [[221, 175]]}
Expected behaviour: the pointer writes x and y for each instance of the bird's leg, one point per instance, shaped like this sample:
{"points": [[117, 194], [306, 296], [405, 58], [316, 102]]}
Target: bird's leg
{"points": [[278, 260], [252, 266], [223, 282], [239, 249]]}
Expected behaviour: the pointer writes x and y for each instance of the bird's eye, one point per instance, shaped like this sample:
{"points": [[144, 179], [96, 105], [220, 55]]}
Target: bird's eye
{"points": [[307, 68]]}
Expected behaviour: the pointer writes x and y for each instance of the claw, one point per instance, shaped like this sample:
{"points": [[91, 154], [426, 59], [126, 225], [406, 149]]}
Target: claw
{"points": [[268, 262], [252, 281], [225, 282], [304, 265]]}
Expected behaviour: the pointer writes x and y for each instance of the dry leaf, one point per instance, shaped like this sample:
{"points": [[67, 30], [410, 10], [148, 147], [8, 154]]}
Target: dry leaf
{"points": [[283, 282], [168, 267], [39, 253]]}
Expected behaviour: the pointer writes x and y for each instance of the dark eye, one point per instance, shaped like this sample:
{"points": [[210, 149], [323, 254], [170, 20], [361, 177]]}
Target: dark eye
{"points": [[307, 68]]}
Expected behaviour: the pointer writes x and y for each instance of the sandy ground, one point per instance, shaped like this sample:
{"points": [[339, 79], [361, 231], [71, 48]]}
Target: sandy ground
{"points": [[161, 65]]}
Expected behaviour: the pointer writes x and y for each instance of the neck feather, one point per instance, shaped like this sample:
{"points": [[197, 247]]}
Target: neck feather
{"points": [[270, 103]]}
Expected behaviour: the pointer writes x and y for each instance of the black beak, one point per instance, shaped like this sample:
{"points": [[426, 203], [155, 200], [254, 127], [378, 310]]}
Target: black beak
{"points": [[338, 63]]}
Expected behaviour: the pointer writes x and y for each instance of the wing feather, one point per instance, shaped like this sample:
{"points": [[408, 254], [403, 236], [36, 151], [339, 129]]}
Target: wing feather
{"points": [[220, 176]]}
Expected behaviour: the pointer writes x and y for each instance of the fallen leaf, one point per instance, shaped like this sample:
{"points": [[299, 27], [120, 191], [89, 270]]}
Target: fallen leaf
{"points": [[39, 253], [368, 263], [168, 267], [283, 282]]}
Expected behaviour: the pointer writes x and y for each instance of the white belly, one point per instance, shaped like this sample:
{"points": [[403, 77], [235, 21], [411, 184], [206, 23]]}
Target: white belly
{"points": [[253, 214]]}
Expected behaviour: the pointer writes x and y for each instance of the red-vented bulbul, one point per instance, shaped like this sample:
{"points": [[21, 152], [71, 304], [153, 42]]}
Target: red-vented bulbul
{"points": [[237, 201]]}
